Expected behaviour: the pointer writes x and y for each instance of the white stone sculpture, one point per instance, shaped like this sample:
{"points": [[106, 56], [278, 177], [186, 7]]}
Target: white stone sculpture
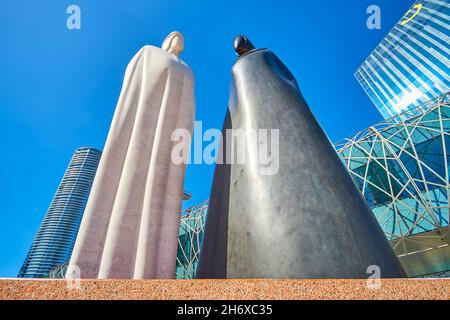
{"points": [[131, 222]]}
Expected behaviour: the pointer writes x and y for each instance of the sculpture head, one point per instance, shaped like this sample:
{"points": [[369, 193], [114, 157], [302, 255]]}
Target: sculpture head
{"points": [[174, 43], [242, 45]]}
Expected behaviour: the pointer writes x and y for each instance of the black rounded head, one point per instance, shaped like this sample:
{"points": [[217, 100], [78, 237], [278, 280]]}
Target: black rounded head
{"points": [[242, 45]]}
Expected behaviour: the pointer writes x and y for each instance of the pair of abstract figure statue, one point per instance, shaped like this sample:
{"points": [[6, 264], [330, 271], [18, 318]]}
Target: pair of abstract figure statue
{"points": [[306, 221]]}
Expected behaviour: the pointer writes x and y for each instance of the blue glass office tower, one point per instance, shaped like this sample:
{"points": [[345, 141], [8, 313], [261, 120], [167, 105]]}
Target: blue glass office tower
{"points": [[56, 236], [411, 65]]}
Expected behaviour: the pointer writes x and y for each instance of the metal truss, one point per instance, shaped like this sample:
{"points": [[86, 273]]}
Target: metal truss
{"points": [[190, 239], [402, 169]]}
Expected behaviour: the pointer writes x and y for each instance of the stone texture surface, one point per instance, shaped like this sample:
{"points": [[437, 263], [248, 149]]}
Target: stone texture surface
{"points": [[132, 218], [227, 289]]}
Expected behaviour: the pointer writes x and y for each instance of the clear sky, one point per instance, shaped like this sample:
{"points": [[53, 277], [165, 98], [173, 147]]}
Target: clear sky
{"points": [[59, 87]]}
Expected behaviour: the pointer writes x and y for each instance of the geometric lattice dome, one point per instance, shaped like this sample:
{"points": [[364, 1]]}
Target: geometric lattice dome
{"points": [[190, 239], [402, 169]]}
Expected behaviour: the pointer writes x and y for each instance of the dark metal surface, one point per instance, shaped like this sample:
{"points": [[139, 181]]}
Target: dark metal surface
{"points": [[214, 251], [242, 45], [307, 221]]}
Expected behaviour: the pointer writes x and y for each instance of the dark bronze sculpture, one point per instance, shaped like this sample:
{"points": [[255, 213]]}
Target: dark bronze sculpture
{"points": [[307, 219]]}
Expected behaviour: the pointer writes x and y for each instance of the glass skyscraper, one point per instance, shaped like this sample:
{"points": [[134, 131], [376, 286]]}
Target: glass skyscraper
{"points": [[56, 236], [411, 64]]}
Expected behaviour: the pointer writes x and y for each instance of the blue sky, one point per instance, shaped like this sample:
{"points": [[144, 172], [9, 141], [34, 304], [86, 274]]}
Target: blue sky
{"points": [[59, 87]]}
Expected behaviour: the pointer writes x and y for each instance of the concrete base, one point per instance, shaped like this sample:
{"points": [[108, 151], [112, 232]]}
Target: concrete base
{"points": [[348, 289]]}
